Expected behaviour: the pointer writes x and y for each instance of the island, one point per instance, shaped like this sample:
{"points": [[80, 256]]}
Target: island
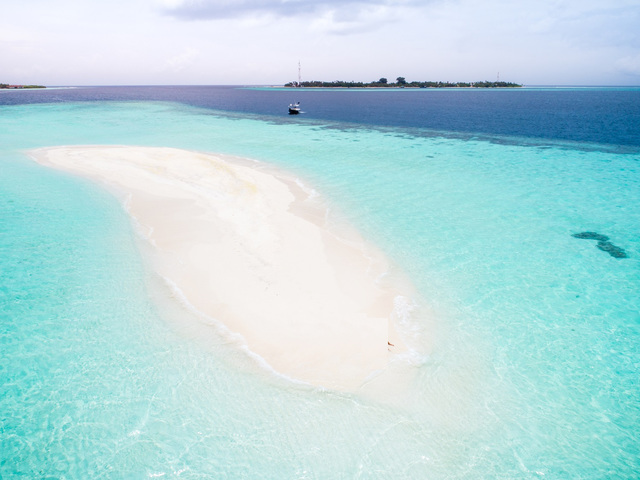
{"points": [[18, 87], [401, 82]]}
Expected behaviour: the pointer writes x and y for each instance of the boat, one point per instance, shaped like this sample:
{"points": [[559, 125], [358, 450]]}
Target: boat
{"points": [[294, 108]]}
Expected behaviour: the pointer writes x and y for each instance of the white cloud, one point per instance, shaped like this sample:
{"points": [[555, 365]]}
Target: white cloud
{"points": [[224, 9], [11, 35], [344, 22], [629, 65], [183, 60]]}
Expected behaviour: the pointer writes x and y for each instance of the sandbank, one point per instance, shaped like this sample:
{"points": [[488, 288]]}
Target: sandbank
{"points": [[248, 247]]}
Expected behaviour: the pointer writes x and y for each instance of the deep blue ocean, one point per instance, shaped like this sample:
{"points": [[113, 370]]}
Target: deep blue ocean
{"points": [[514, 212], [604, 115]]}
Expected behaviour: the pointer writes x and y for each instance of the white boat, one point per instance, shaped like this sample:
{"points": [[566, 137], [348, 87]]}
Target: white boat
{"points": [[294, 108]]}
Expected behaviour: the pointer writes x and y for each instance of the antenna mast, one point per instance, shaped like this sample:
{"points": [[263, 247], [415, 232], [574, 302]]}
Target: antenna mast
{"points": [[299, 75]]}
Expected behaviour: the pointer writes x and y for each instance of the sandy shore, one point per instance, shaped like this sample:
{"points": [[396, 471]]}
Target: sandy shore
{"points": [[247, 247]]}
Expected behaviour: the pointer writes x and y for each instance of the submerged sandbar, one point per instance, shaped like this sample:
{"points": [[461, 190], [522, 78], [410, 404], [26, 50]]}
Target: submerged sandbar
{"points": [[246, 246]]}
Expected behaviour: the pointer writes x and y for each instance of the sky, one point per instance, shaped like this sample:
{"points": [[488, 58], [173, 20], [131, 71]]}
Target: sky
{"points": [[260, 42]]}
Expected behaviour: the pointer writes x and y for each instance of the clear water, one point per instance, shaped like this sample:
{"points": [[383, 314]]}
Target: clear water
{"points": [[530, 348]]}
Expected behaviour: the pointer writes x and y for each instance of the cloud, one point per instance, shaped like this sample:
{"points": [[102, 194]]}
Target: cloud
{"points": [[629, 65], [183, 60], [350, 20], [592, 24], [225, 9]]}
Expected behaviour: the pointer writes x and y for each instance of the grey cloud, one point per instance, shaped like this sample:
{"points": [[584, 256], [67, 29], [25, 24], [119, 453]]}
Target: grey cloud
{"points": [[224, 9]]}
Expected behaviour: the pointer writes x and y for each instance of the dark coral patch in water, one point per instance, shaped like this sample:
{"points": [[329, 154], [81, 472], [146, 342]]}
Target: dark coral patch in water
{"points": [[603, 244], [613, 250], [591, 236]]}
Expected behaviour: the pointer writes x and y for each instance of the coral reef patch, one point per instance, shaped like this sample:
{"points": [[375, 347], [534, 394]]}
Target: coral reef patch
{"points": [[603, 243]]}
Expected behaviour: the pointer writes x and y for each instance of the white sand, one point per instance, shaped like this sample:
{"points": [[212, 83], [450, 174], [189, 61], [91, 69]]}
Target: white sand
{"points": [[245, 247]]}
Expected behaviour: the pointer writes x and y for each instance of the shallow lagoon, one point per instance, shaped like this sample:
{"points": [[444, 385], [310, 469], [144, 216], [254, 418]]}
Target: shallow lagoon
{"points": [[525, 340]]}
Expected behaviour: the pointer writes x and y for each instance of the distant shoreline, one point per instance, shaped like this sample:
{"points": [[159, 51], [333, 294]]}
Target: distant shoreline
{"points": [[401, 83], [19, 87]]}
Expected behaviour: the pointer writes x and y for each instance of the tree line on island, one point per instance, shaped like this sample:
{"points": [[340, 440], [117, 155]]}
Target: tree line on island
{"points": [[401, 82], [6, 85]]}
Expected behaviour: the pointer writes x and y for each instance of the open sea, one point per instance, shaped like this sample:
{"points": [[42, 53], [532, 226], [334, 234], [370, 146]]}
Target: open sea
{"points": [[514, 212]]}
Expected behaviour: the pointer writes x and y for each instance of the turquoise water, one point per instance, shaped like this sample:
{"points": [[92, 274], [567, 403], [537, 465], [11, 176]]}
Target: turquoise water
{"points": [[528, 338]]}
